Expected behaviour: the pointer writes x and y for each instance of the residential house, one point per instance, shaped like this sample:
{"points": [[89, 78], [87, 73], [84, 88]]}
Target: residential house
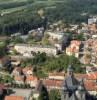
{"points": [[91, 87], [27, 71], [15, 62], [92, 28], [92, 20], [32, 80], [52, 84], [74, 48], [80, 76], [19, 79], [55, 35], [17, 71], [92, 76], [37, 34]]}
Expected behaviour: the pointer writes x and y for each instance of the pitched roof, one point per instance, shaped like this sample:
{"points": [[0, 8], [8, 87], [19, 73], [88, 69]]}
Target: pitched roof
{"points": [[90, 86], [92, 76], [19, 78], [75, 42], [80, 76], [31, 78], [57, 74], [27, 69], [51, 83], [14, 98]]}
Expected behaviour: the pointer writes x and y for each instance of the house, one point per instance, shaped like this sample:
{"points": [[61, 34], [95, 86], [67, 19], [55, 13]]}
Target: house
{"points": [[74, 48], [79, 76], [92, 28], [19, 79], [14, 98], [32, 80], [17, 71], [27, 71], [90, 87], [15, 62], [37, 34], [92, 20], [52, 84], [92, 76], [55, 35]]}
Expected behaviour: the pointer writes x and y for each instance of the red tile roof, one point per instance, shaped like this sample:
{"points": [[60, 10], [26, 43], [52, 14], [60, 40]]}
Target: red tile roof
{"points": [[90, 86], [92, 76], [14, 98], [75, 42], [31, 78], [80, 76], [52, 83]]}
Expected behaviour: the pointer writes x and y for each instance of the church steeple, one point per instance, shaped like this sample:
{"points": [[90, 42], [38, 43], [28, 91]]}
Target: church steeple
{"points": [[70, 70], [73, 89]]}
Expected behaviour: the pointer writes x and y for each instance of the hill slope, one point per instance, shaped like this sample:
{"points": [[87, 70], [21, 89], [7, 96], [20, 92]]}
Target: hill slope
{"points": [[25, 12]]}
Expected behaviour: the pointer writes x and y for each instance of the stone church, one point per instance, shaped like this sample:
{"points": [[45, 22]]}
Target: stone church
{"points": [[72, 89]]}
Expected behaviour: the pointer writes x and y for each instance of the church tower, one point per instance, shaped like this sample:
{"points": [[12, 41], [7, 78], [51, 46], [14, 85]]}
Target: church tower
{"points": [[72, 89]]}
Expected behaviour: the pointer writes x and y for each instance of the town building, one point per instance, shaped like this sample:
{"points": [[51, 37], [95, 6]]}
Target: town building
{"points": [[74, 48], [19, 94], [14, 98], [28, 50], [92, 20], [56, 76], [32, 81], [72, 89], [55, 35]]}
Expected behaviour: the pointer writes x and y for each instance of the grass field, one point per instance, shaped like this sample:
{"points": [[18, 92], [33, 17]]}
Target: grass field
{"points": [[22, 4], [9, 1]]}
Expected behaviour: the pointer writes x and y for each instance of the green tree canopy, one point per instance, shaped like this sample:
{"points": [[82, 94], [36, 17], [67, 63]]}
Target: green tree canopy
{"points": [[54, 95]]}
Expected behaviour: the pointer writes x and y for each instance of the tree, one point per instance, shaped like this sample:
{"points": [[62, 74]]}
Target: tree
{"points": [[17, 40], [45, 40], [43, 94], [61, 63], [54, 95], [39, 58], [80, 37], [8, 79], [2, 49]]}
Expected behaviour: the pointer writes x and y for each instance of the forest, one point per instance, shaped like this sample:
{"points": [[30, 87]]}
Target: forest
{"points": [[26, 18]]}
